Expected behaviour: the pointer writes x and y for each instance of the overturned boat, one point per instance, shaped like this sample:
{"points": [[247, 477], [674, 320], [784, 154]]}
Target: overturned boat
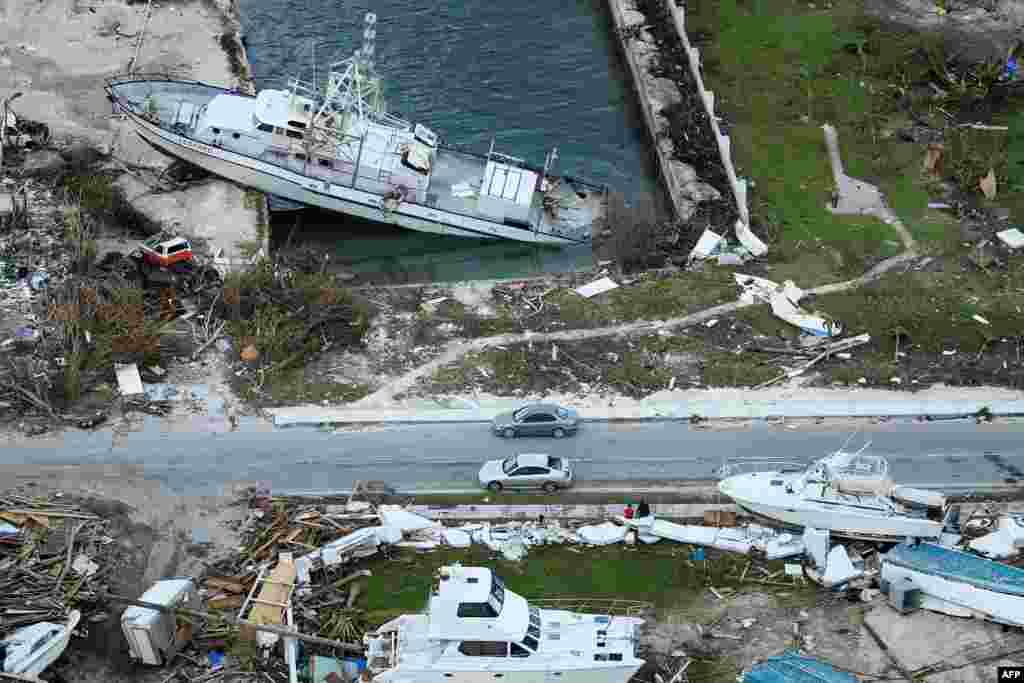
{"points": [[849, 494], [30, 650], [930, 576], [337, 148], [475, 628]]}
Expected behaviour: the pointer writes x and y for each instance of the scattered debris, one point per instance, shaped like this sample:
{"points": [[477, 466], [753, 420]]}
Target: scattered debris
{"points": [[793, 666], [128, 379], [1013, 238], [988, 184], [783, 300], [596, 287], [153, 637]]}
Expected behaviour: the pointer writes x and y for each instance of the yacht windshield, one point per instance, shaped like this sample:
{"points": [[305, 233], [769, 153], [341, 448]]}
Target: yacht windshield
{"points": [[508, 464], [497, 596]]}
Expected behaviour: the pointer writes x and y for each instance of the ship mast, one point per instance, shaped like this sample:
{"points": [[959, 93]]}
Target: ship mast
{"points": [[353, 87]]}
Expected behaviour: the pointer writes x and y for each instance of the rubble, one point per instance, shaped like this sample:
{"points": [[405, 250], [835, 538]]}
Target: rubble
{"points": [[784, 303]]}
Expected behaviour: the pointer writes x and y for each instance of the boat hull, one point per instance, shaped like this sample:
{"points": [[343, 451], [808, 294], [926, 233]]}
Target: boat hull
{"points": [[271, 179], [620, 674], [844, 525], [34, 661]]}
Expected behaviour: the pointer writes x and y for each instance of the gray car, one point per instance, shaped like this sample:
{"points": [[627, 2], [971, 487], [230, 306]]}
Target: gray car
{"points": [[526, 471], [537, 419]]}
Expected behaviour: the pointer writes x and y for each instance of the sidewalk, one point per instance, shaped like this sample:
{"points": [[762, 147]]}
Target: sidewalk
{"points": [[459, 410]]}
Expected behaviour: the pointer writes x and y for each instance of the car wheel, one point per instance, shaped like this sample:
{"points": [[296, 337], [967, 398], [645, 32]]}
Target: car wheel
{"points": [[494, 486], [509, 433], [549, 487], [558, 433]]}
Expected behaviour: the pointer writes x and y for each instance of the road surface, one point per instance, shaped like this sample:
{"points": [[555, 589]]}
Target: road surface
{"points": [[447, 457]]}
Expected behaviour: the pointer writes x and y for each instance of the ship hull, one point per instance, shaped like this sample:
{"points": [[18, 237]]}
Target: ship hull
{"points": [[271, 179], [755, 496], [621, 674]]}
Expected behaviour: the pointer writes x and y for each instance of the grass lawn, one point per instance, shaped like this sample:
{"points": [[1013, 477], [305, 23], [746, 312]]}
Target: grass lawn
{"points": [[780, 70], [659, 574]]}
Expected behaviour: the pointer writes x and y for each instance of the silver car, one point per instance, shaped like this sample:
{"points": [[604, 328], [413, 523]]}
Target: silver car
{"points": [[526, 471], [537, 419]]}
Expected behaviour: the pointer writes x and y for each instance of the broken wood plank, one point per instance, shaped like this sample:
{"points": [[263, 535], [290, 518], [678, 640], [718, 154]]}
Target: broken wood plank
{"points": [[51, 513], [223, 583], [225, 602]]}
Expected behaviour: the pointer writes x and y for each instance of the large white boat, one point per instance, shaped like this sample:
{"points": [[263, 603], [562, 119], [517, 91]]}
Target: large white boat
{"points": [[476, 630], [850, 494], [337, 148]]}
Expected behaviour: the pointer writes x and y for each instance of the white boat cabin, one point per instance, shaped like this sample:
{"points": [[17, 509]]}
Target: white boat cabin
{"points": [[474, 624]]}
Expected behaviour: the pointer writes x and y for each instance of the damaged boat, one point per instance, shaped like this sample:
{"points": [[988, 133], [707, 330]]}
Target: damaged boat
{"points": [[474, 627], [337, 148], [30, 650], [849, 494]]}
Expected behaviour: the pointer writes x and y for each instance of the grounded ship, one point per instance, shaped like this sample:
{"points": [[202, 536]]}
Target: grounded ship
{"points": [[476, 629], [850, 494], [337, 148]]}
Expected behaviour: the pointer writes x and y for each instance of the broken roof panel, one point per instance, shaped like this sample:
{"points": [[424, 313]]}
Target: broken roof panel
{"points": [[792, 667]]}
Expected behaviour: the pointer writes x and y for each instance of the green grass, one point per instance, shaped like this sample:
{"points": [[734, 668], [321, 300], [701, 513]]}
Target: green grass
{"points": [[781, 70], [669, 581]]}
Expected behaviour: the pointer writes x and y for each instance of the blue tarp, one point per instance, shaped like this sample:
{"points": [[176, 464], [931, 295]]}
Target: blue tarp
{"points": [[958, 566], [792, 667]]}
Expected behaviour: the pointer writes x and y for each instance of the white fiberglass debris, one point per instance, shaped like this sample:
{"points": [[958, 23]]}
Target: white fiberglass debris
{"points": [[602, 534], [749, 240], [783, 545], [978, 318], [816, 542], [84, 566], [128, 380], [596, 287], [706, 245], [457, 538], [1013, 238], [395, 516], [783, 300], [1006, 541], [839, 568]]}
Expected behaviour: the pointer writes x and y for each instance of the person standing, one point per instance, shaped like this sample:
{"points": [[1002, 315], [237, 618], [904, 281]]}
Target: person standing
{"points": [[628, 512], [643, 510]]}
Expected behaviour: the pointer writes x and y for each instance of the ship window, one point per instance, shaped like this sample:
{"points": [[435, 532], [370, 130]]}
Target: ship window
{"points": [[279, 131], [600, 657], [483, 648], [216, 131], [530, 643], [300, 156], [533, 631], [326, 163], [777, 482], [296, 124], [265, 128], [477, 610], [519, 651], [293, 134], [235, 135], [615, 656]]}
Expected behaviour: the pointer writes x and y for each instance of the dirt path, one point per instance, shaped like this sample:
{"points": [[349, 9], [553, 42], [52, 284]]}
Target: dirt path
{"points": [[456, 350]]}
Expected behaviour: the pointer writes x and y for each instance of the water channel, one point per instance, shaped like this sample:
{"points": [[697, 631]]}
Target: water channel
{"points": [[530, 74]]}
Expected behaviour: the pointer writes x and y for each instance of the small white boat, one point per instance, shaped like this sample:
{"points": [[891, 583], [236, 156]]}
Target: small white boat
{"points": [[475, 629], [849, 494], [30, 650]]}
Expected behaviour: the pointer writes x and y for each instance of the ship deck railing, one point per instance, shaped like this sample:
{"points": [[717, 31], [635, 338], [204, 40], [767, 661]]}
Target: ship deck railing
{"points": [[600, 605]]}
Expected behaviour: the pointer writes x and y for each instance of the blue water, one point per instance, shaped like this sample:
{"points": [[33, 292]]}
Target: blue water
{"points": [[532, 74]]}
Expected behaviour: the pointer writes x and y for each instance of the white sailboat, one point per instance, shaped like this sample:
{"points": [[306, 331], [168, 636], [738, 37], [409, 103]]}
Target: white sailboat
{"points": [[849, 494], [337, 148], [476, 630]]}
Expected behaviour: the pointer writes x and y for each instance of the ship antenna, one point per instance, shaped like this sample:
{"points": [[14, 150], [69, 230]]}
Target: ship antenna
{"points": [[849, 439]]}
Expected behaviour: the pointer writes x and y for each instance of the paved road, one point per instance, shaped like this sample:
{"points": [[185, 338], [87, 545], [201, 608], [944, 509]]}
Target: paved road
{"points": [[448, 456]]}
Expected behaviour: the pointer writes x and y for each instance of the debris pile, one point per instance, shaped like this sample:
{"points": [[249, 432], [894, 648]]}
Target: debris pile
{"points": [[53, 569]]}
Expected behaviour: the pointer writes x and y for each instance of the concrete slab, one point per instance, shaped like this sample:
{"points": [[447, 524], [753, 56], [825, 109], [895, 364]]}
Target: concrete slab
{"points": [[927, 642]]}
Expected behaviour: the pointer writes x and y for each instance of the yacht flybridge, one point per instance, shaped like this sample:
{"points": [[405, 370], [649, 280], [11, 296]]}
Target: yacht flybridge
{"points": [[475, 629], [336, 147], [850, 494]]}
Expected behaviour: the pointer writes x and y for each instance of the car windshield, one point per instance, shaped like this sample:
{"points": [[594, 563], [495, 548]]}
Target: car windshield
{"points": [[508, 464]]}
